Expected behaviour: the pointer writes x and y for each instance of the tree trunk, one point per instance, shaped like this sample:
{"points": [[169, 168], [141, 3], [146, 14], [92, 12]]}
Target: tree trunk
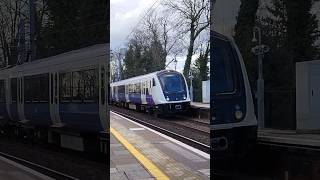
{"points": [[187, 65]]}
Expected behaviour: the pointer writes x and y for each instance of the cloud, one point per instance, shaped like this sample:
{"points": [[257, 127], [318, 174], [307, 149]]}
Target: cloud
{"points": [[125, 14]]}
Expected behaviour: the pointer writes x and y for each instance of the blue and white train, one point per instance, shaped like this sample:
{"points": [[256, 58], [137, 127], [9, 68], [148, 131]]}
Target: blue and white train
{"points": [[161, 92], [63, 93], [233, 121]]}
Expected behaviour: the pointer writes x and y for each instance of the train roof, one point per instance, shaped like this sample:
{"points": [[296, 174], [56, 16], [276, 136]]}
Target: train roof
{"points": [[218, 35], [87, 56], [142, 76]]}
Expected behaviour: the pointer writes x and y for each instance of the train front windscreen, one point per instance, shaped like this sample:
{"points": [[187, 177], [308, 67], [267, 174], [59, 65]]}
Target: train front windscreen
{"points": [[223, 76], [173, 86]]}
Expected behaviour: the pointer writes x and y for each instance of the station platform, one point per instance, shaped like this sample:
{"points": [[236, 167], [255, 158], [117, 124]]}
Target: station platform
{"points": [[199, 105], [138, 152], [199, 110], [290, 137], [10, 170]]}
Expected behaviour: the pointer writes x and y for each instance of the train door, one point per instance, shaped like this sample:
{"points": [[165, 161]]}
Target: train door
{"points": [[103, 97], [54, 98], [20, 97], [143, 93]]}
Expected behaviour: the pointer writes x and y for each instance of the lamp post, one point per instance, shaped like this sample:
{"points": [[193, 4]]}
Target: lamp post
{"points": [[259, 50], [191, 87]]}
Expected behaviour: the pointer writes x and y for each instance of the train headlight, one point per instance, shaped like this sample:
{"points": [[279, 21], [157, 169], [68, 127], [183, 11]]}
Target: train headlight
{"points": [[167, 98], [184, 97], [238, 114]]}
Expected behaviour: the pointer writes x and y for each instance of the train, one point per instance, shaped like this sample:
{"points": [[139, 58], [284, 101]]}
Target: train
{"points": [[161, 92], [233, 120], [61, 99]]}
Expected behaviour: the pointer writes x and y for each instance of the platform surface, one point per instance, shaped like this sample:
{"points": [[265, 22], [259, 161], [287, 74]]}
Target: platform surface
{"points": [[153, 154], [124, 165], [10, 170], [200, 105], [289, 137]]}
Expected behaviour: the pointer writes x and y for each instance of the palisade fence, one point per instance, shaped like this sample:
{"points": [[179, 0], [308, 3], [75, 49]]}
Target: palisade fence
{"points": [[280, 109]]}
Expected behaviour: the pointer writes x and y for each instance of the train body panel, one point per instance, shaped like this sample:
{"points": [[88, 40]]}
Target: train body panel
{"points": [[3, 105], [39, 95], [164, 90], [233, 121]]}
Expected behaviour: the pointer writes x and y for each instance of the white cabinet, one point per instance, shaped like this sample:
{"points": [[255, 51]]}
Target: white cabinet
{"points": [[206, 91], [308, 95]]}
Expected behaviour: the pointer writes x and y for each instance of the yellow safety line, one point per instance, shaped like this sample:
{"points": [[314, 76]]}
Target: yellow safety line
{"points": [[149, 165]]}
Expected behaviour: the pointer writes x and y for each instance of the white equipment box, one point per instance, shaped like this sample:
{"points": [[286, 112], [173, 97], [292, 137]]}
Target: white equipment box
{"points": [[206, 91], [308, 96]]}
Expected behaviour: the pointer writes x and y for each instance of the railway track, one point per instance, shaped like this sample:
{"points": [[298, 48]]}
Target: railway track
{"points": [[44, 170], [197, 128], [203, 122], [196, 144]]}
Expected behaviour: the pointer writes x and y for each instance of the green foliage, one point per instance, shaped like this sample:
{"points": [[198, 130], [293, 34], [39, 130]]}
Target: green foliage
{"points": [[290, 30], [243, 33], [200, 73], [72, 25], [142, 58]]}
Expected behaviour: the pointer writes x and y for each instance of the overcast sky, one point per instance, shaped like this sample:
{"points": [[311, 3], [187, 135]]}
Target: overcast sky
{"points": [[125, 14]]}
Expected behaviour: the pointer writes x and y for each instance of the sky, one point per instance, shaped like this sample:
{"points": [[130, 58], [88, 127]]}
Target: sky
{"points": [[125, 14]]}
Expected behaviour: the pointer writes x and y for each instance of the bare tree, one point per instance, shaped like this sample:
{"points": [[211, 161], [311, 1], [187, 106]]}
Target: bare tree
{"points": [[11, 12], [194, 18]]}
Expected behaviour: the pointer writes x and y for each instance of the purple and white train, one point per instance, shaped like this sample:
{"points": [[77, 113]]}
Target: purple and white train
{"points": [[161, 92]]}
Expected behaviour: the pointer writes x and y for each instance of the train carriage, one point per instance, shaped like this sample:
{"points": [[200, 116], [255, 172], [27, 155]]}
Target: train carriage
{"points": [[67, 92], [233, 121], [162, 92]]}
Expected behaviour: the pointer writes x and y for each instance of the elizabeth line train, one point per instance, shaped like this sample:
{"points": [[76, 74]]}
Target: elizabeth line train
{"points": [[60, 99], [233, 120], [161, 92]]}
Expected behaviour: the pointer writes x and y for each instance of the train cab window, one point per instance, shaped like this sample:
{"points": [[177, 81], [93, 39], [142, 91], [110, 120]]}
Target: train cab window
{"points": [[2, 92], [153, 82], [172, 82], [14, 90], [223, 56]]}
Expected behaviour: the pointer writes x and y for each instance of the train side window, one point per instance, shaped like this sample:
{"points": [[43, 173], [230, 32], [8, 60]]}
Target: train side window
{"points": [[44, 88], [14, 90], [121, 89], [138, 88], [65, 87], [103, 93], [77, 87], [2, 92], [90, 85], [36, 88]]}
